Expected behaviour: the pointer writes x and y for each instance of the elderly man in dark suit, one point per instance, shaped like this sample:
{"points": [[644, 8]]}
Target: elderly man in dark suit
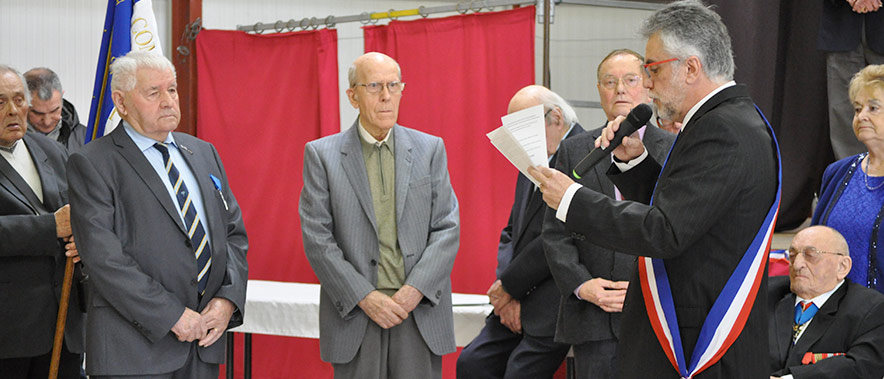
{"points": [[35, 231], [593, 280], [160, 233], [517, 340], [381, 229], [826, 326], [696, 307]]}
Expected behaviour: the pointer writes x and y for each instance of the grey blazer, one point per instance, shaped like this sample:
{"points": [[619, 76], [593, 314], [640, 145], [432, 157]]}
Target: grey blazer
{"points": [[139, 258], [32, 258], [340, 237]]}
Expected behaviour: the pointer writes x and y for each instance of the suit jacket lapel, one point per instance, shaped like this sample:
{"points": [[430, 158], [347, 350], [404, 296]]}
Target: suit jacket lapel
{"points": [[15, 184], [403, 146], [48, 180], [201, 172], [143, 169], [526, 205], [818, 326], [354, 166], [784, 318], [9, 179]]}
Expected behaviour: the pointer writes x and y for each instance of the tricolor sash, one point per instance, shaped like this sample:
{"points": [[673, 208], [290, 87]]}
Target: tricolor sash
{"points": [[728, 314]]}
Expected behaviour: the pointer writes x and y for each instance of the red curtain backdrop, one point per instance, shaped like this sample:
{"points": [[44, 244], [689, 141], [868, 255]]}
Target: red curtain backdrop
{"points": [[461, 72], [261, 98]]}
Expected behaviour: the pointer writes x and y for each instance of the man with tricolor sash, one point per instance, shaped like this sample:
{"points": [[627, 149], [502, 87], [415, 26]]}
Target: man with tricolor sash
{"points": [[700, 223], [822, 325]]}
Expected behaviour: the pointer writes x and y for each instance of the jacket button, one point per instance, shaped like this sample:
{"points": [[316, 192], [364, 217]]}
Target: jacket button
{"points": [[188, 243], [438, 294], [373, 262]]}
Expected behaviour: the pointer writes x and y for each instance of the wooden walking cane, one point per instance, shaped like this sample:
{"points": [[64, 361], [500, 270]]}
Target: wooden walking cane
{"points": [[62, 316]]}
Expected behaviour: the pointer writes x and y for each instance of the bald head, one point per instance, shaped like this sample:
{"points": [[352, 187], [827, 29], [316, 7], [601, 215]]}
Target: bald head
{"points": [[368, 61], [559, 115], [819, 258], [375, 90]]}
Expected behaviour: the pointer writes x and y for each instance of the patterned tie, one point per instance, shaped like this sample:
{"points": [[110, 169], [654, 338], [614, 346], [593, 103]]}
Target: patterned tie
{"points": [[804, 311], [195, 231]]}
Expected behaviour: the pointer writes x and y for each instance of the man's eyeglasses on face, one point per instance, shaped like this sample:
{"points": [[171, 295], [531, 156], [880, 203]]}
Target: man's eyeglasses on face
{"points": [[375, 87], [611, 81], [811, 254], [646, 65]]}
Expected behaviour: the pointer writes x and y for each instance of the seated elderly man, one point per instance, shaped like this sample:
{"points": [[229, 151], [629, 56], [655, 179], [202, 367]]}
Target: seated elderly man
{"points": [[826, 327]]}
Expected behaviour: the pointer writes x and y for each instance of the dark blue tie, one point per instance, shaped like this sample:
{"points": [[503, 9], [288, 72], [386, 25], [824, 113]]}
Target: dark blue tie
{"points": [[202, 250]]}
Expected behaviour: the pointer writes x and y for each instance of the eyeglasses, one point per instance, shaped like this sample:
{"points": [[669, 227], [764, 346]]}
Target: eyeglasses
{"points": [[375, 87], [646, 65], [811, 254], [610, 81]]}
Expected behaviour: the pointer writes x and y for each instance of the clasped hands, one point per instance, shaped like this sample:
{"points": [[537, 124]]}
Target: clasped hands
{"points": [[389, 311], [508, 309], [206, 326], [864, 6], [554, 183]]}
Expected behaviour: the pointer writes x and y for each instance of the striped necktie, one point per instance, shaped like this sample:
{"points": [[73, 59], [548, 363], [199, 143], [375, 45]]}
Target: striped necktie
{"points": [[202, 250]]}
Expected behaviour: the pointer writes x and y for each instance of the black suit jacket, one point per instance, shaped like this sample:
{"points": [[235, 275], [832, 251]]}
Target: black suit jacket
{"points": [[841, 29], [527, 277], [851, 322], [709, 202], [573, 261], [32, 258]]}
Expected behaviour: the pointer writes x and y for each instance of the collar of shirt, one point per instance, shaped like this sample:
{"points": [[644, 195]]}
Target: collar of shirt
{"points": [[696, 107], [821, 299], [10, 149], [143, 142], [367, 137]]}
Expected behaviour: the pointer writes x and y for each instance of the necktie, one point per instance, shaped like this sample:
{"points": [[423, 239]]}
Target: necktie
{"points": [[202, 250], [804, 311]]}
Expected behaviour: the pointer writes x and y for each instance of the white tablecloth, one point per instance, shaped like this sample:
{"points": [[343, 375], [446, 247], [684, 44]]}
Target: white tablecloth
{"points": [[292, 309]]}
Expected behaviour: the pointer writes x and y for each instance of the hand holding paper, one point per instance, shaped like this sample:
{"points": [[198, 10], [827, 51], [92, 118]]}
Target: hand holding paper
{"points": [[522, 139]]}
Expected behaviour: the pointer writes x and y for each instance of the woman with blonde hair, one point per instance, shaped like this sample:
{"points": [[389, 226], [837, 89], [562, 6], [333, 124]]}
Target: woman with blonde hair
{"points": [[851, 199]]}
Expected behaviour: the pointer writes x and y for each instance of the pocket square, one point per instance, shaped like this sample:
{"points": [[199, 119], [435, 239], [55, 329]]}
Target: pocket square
{"points": [[811, 358]]}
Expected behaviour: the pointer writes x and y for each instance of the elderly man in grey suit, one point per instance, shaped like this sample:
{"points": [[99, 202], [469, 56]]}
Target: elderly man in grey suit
{"points": [[160, 233], [381, 229], [35, 232]]}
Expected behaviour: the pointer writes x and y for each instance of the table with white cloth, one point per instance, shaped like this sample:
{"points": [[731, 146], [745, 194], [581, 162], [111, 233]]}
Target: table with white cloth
{"points": [[292, 309]]}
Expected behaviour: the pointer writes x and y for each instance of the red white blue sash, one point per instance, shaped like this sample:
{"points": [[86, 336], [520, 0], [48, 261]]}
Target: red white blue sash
{"points": [[728, 314]]}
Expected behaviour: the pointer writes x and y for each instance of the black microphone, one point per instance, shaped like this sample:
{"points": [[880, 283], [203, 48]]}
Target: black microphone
{"points": [[636, 118]]}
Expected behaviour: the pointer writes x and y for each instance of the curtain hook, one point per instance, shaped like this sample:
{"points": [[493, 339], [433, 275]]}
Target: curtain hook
{"points": [[259, 28], [457, 8], [330, 21], [290, 25], [422, 11], [278, 25]]}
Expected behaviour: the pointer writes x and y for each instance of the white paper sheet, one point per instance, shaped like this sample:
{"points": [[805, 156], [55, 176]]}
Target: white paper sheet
{"points": [[522, 139]]}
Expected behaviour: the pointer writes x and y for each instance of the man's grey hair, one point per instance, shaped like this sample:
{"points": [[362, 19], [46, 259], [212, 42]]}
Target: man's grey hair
{"points": [[43, 81], [551, 100], [689, 28], [24, 84], [125, 68], [351, 73]]}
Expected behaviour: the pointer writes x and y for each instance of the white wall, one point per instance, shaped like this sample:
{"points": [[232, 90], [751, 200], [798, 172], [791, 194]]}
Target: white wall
{"points": [[64, 35]]}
